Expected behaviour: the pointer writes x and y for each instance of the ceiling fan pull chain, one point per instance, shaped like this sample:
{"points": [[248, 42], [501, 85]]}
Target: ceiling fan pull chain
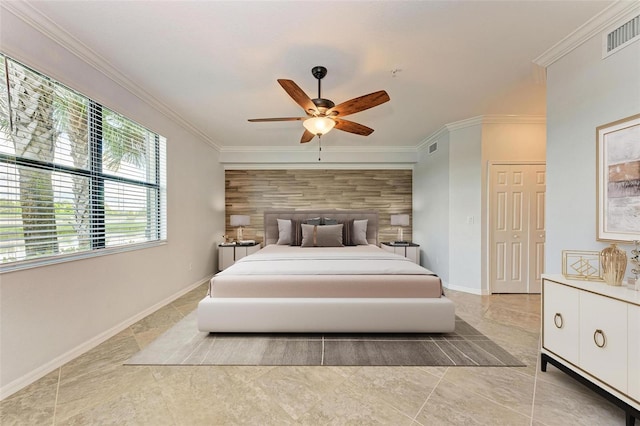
{"points": [[319, 146]]}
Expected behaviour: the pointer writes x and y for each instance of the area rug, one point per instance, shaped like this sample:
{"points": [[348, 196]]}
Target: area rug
{"points": [[183, 344]]}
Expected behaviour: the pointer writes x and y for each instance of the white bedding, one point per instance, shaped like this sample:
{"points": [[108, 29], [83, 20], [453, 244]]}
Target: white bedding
{"points": [[335, 272], [356, 260]]}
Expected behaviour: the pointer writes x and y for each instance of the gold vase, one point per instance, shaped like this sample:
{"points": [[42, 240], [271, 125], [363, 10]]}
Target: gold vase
{"points": [[614, 264]]}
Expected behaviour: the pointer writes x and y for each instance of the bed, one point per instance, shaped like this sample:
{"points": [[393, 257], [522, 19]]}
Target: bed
{"points": [[356, 288]]}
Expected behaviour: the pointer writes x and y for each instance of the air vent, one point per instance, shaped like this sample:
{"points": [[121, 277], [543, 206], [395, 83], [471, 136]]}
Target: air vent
{"points": [[622, 36], [433, 147]]}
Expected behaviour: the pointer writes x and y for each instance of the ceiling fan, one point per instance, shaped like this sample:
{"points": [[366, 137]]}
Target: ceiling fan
{"points": [[322, 114]]}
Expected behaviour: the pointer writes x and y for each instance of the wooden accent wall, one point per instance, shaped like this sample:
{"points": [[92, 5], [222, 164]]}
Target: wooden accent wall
{"points": [[250, 192]]}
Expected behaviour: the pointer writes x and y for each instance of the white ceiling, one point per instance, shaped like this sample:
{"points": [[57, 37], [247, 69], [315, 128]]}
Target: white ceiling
{"points": [[215, 64]]}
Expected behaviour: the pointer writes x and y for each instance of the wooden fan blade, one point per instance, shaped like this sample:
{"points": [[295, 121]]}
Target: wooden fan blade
{"points": [[351, 127], [360, 104], [257, 120], [299, 96], [307, 136]]}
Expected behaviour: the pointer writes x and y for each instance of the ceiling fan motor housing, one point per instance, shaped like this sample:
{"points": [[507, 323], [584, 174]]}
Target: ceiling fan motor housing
{"points": [[323, 104]]}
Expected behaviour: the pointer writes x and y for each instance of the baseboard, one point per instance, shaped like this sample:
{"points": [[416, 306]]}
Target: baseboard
{"points": [[21, 382], [478, 291]]}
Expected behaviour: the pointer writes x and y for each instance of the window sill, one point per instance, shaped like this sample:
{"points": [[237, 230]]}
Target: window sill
{"points": [[63, 258]]}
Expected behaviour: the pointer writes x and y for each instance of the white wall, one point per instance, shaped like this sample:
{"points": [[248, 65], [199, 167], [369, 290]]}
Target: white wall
{"points": [[51, 314], [583, 92], [431, 208], [465, 188]]}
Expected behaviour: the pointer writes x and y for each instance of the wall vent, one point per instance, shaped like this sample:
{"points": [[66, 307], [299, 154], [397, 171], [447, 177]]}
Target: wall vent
{"points": [[433, 147], [621, 37]]}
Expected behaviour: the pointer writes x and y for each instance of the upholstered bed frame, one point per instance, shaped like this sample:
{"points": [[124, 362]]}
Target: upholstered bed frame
{"points": [[324, 314]]}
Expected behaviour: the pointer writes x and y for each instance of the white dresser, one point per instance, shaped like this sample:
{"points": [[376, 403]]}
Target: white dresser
{"points": [[591, 331]]}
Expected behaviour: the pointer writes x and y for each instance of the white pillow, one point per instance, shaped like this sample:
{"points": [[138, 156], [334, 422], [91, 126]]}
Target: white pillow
{"points": [[359, 236], [284, 232]]}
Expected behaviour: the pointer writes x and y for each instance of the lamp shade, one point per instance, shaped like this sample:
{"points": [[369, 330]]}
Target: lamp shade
{"points": [[399, 220], [318, 125], [239, 220]]}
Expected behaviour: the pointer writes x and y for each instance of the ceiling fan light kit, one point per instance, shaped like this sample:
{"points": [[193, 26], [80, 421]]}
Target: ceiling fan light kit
{"points": [[319, 125], [322, 114]]}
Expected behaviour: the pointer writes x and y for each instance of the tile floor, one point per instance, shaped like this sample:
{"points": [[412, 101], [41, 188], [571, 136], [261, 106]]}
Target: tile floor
{"points": [[96, 389]]}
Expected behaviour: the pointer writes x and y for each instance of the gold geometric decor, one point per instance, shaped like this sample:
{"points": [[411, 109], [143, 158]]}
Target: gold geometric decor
{"points": [[581, 265]]}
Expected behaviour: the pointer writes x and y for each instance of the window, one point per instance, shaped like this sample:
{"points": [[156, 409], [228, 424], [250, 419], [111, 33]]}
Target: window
{"points": [[76, 178]]}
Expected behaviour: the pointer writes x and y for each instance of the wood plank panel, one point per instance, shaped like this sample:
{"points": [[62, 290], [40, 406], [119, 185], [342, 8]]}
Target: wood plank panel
{"points": [[251, 192]]}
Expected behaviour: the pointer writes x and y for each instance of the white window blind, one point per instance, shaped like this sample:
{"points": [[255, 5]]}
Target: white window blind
{"points": [[76, 178]]}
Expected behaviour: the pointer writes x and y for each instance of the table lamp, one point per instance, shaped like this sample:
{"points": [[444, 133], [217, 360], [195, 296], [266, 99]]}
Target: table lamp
{"points": [[400, 220], [239, 221]]}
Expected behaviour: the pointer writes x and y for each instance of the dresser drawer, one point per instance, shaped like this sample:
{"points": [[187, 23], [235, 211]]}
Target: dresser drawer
{"points": [[561, 320], [603, 339]]}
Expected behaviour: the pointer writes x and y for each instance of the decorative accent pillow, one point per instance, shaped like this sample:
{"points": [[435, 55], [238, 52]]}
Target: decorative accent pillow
{"points": [[296, 232], [329, 221], [359, 236], [347, 232], [284, 232], [321, 236]]}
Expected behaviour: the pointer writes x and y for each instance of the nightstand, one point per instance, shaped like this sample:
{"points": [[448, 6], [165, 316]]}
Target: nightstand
{"points": [[410, 251], [228, 254]]}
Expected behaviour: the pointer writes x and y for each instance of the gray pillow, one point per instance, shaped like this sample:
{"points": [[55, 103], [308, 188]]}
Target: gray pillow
{"points": [[359, 236], [321, 236], [313, 221], [284, 232], [329, 221]]}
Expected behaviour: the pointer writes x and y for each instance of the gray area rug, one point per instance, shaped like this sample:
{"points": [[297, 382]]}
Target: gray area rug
{"points": [[183, 344]]}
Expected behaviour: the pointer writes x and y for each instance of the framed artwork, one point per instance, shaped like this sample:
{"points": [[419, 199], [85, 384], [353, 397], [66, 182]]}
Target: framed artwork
{"points": [[618, 174]]}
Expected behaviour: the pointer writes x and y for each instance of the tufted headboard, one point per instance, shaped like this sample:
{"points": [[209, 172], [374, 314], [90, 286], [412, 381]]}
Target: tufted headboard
{"points": [[271, 223]]}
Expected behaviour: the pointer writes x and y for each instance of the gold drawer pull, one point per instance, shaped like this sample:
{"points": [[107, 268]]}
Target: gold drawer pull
{"points": [[558, 321], [597, 333]]}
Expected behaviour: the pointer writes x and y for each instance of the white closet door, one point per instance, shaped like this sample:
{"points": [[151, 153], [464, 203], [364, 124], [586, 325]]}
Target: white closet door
{"points": [[516, 227]]}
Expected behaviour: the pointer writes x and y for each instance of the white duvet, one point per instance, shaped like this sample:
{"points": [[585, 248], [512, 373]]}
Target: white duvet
{"points": [[358, 260]]}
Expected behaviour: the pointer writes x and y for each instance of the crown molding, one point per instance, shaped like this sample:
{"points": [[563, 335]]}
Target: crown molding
{"points": [[325, 148], [310, 154], [432, 138], [41, 23], [592, 27], [462, 124], [316, 165], [479, 120]]}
